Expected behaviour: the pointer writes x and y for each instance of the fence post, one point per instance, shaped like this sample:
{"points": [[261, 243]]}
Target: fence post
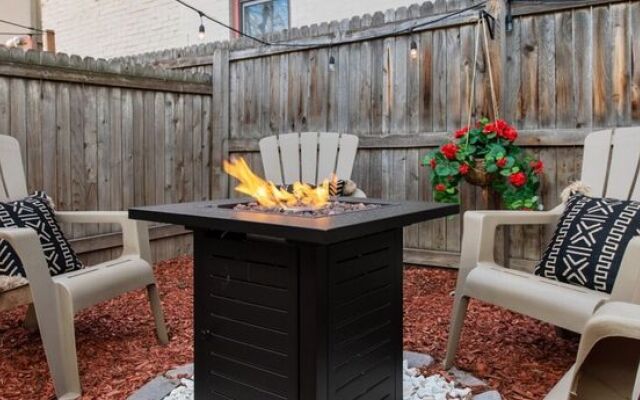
{"points": [[49, 41], [497, 53], [497, 46], [220, 115]]}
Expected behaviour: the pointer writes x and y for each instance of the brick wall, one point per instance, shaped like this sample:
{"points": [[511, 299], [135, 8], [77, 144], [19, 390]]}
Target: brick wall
{"points": [[111, 28]]}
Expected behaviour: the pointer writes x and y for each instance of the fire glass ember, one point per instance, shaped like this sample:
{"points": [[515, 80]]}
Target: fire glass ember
{"points": [[298, 197], [333, 207]]}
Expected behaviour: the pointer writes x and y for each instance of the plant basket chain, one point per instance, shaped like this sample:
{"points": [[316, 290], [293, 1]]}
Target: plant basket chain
{"points": [[482, 27], [477, 174]]}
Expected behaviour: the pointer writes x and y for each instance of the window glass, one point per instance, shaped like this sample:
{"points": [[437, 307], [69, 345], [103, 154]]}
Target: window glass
{"points": [[265, 16]]}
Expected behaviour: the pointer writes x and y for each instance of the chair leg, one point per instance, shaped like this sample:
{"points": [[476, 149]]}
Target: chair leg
{"points": [[30, 321], [158, 315], [457, 321], [59, 340]]}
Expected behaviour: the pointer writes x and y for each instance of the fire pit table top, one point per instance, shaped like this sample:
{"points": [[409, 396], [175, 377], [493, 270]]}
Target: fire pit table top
{"points": [[219, 215]]}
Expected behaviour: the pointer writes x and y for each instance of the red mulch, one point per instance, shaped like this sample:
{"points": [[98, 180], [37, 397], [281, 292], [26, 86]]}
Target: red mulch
{"points": [[520, 357], [118, 352], [117, 348]]}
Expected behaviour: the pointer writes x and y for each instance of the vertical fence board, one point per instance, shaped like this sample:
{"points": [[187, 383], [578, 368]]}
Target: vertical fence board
{"points": [[635, 54], [602, 66]]}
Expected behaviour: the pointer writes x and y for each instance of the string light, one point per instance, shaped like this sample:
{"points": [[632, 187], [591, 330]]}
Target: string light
{"points": [[31, 28], [413, 53], [201, 33]]}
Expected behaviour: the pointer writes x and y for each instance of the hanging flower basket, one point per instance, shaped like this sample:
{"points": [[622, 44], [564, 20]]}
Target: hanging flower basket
{"points": [[486, 156], [477, 174]]}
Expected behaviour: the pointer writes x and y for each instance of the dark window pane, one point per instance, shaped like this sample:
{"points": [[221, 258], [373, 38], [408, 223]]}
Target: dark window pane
{"points": [[265, 16]]}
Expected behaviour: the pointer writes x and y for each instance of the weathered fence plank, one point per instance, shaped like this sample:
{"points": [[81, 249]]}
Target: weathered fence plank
{"points": [[108, 143]]}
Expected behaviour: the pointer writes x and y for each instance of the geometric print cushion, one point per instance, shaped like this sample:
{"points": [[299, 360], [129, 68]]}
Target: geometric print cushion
{"points": [[589, 242], [35, 212]]}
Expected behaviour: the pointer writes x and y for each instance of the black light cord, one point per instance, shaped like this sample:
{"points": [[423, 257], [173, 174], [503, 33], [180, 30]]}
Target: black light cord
{"points": [[444, 17], [231, 28], [19, 33], [406, 30], [21, 26]]}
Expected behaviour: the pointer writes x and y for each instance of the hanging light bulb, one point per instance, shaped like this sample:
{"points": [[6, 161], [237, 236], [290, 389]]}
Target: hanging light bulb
{"points": [[413, 53], [332, 63], [201, 33]]}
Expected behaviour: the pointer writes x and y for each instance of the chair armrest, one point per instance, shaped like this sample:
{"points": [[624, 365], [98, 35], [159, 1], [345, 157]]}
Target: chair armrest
{"points": [[478, 237], [92, 217], [135, 234], [613, 319], [480, 229], [27, 246]]}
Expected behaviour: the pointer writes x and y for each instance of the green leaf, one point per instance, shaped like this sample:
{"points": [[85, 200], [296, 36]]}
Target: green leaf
{"points": [[505, 172], [510, 162], [442, 170], [491, 168]]}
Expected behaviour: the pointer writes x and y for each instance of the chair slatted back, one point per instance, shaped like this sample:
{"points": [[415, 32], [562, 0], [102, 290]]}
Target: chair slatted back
{"points": [[13, 183], [309, 157], [611, 162]]}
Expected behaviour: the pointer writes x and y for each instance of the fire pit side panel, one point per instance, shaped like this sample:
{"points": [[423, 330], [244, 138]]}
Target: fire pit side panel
{"points": [[246, 318], [351, 319]]}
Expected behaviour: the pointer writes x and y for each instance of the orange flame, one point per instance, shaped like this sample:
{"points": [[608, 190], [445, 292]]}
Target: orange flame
{"points": [[267, 194]]}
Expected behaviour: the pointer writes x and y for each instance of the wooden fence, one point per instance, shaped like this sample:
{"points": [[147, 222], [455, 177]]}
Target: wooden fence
{"points": [[98, 135], [566, 68]]}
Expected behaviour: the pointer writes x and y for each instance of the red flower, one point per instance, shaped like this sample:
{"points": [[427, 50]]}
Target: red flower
{"points": [[502, 129], [463, 169], [510, 134], [498, 126], [501, 162], [433, 163], [440, 187], [518, 179], [461, 132], [449, 150], [537, 166]]}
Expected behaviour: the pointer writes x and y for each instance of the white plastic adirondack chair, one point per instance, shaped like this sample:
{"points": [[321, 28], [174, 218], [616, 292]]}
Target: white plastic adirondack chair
{"points": [[607, 363], [609, 167], [309, 157], [56, 299]]}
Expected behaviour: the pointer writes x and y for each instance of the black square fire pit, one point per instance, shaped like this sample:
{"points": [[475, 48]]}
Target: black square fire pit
{"points": [[297, 307]]}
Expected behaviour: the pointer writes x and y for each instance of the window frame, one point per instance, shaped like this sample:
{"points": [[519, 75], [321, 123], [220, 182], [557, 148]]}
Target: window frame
{"points": [[237, 13]]}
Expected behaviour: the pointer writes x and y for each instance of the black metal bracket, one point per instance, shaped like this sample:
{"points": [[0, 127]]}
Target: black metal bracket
{"points": [[491, 22], [508, 20]]}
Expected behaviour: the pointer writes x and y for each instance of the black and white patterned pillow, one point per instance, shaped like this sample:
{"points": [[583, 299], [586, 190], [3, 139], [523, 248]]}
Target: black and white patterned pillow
{"points": [[589, 242], [35, 212]]}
